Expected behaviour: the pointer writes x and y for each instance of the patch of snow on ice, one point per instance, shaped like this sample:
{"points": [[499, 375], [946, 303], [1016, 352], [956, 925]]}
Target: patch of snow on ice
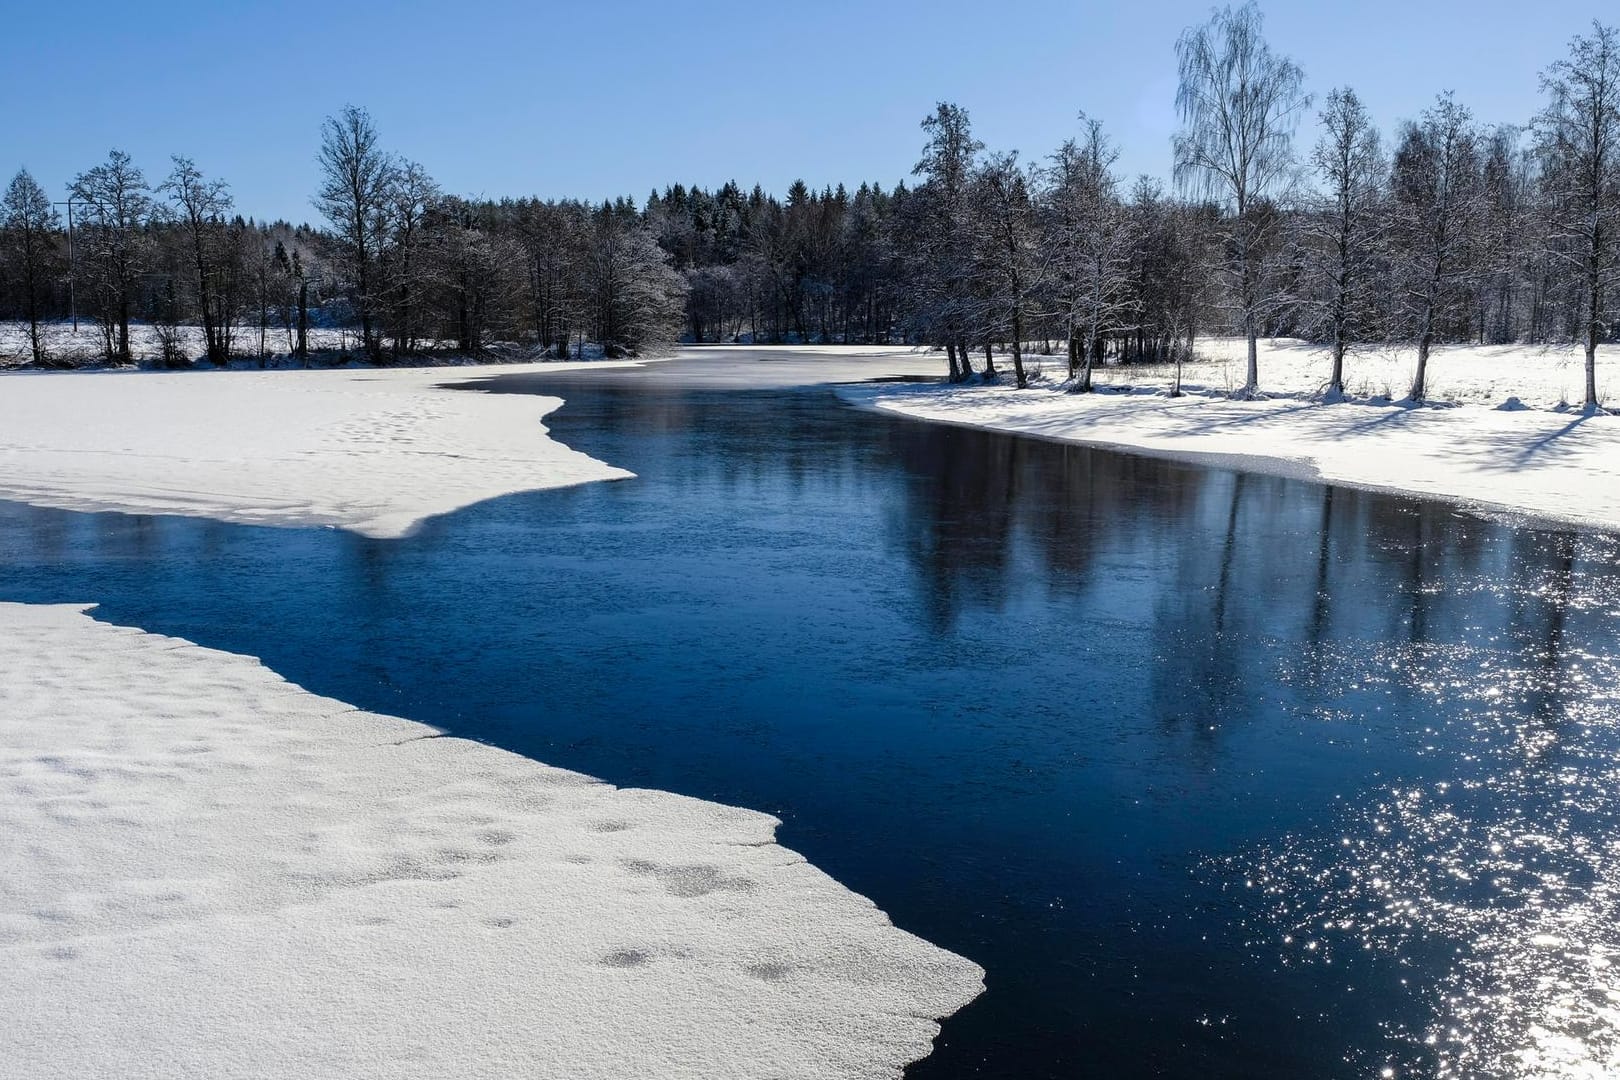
{"points": [[372, 451], [206, 871]]}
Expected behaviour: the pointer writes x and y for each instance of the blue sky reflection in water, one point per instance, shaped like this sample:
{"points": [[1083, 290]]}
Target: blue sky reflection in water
{"points": [[1217, 775]]}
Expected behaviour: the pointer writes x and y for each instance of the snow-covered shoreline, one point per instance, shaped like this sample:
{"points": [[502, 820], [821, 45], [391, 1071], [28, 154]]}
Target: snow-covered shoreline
{"points": [[1496, 440], [376, 452], [208, 871]]}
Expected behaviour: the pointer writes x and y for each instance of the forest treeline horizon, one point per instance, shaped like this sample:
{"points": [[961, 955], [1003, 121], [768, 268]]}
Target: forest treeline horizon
{"points": [[1451, 230]]}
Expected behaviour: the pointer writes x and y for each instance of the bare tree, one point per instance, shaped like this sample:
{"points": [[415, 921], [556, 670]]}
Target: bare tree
{"points": [[201, 206], [1346, 226], [1239, 104], [941, 234], [356, 179], [411, 196], [1511, 235], [1091, 244], [1438, 204], [1580, 139], [118, 206], [1008, 249], [636, 297], [28, 224]]}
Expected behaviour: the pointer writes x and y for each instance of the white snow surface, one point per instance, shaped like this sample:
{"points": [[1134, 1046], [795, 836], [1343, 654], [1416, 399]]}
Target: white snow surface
{"points": [[373, 451], [146, 344], [1495, 436], [207, 872]]}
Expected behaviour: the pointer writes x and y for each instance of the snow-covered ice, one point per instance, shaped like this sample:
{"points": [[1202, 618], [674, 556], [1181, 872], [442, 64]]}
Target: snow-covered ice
{"points": [[375, 451], [208, 872], [1494, 439]]}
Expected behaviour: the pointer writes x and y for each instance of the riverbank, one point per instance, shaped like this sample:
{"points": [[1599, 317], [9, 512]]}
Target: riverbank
{"points": [[1497, 435]]}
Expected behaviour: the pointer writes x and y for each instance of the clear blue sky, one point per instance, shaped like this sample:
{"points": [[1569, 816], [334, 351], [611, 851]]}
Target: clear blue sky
{"points": [[593, 99]]}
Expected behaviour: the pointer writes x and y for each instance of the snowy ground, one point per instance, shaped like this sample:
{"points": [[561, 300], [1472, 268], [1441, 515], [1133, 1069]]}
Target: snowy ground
{"points": [[209, 872], [85, 347], [1495, 439], [1541, 377], [372, 451]]}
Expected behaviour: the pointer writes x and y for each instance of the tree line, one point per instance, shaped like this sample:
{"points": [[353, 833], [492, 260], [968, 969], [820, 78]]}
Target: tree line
{"points": [[1452, 230]]}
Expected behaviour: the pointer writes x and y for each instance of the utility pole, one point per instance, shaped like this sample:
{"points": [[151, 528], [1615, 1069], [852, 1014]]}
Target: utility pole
{"points": [[73, 268]]}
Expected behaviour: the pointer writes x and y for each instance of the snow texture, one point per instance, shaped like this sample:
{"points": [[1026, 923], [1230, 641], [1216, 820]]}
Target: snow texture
{"points": [[1494, 436], [146, 344], [376, 452], [207, 872]]}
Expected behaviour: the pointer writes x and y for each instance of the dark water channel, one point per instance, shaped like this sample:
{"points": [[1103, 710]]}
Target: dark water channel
{"points": [[1217, 775]]}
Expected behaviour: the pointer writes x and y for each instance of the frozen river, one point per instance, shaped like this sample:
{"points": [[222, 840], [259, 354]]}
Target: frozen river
{"points": [[1215, 774]]}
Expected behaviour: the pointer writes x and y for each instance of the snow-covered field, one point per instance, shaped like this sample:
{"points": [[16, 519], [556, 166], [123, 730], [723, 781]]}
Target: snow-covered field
{"points": [[85, 347], [372, 451], [1494, 439], [1541, 377], [208, 872]]}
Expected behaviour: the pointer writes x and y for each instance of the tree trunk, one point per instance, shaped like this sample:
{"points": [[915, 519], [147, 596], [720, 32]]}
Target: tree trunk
{"points": [[1251, 382], [1594, 309], [1018, 349], [302, 348], [1091, 353], [29, 260], [1419, 381], [1591, 367]]}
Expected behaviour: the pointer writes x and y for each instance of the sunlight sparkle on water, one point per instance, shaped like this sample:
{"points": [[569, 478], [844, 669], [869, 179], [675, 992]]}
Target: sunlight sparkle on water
{"points": [[1501, 881]]}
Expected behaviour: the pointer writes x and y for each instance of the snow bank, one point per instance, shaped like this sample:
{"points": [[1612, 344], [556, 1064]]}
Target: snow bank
{"points": [[372, 451], [1492, 451], [208, 872]]}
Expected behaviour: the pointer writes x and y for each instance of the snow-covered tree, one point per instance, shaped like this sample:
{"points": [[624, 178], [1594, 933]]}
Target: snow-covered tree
{"points": [[1008, 252], [1090, 243]]}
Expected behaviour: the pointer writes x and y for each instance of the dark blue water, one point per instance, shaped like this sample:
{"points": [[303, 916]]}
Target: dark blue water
{"points": [[1217, 775]]}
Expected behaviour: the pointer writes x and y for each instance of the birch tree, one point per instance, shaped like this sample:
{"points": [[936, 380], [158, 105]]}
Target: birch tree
{"points": [[1580, 138], [1239, 103]]}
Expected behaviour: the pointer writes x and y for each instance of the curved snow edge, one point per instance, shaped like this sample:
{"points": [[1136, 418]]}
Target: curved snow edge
{"points": [[1484, 461], [374, 452], [222, 871]]}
